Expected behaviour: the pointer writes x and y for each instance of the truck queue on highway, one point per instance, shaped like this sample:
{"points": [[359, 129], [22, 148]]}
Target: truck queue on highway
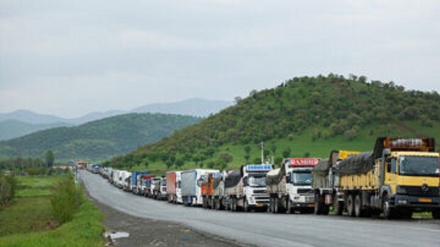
{"points": [[399, 177]]}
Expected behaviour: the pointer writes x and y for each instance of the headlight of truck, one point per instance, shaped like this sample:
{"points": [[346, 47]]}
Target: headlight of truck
{"points": [[251, 200], [400, 190]]}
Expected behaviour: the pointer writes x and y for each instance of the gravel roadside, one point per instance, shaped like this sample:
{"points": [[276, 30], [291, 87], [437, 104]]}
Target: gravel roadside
{"points": [[147, 232]]}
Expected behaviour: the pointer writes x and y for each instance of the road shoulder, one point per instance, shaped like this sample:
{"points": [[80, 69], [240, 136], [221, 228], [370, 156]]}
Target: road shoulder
{"points": [[148, 232]]}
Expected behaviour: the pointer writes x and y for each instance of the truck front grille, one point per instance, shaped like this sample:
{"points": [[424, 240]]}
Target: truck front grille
{"points": [[304, 191], [420, 191]]}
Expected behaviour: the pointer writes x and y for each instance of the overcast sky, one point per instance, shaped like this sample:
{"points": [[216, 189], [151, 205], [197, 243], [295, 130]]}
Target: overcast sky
{"points": [[69, 58]]}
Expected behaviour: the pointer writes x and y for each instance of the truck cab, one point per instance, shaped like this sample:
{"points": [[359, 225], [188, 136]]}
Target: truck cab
{"points": [[246, 189], [409, 172], [299, 184], [254, 188]]}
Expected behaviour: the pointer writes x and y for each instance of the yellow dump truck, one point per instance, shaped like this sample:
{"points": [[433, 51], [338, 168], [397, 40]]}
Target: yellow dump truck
{"points": [[399, 177], [325, 183]]}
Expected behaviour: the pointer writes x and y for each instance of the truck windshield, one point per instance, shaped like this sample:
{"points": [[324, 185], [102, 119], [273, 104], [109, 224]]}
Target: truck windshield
{"points": [[257, 180], [302, 178], [419, 166]]}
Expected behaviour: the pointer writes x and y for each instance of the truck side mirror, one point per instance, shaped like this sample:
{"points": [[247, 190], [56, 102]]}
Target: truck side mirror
{"points": [[245, 181], [200, 182], [289, 177]]}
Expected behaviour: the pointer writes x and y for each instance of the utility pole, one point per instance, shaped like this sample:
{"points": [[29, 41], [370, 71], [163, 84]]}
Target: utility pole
{"points": [[262, 153]]}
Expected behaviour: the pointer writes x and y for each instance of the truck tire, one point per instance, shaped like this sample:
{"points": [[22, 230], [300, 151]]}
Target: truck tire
{"points": [[245, 205], [211, 203], [358, 212], [270, 208], [218, 204], [204, 203], [318, 208], [288, 206], [388, 212], [338, 206], [318, 204], [350, 205]]}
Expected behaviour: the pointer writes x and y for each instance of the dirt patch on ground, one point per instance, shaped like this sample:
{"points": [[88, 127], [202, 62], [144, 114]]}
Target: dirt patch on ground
{"points": [[147, 232]]}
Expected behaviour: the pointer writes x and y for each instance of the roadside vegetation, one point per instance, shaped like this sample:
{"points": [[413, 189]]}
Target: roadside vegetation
{"points": [[50, 211], [8, 187], [302, 117]]}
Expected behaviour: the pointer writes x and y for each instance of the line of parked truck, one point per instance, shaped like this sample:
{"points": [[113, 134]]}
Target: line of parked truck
{"points": [[399, 177]]}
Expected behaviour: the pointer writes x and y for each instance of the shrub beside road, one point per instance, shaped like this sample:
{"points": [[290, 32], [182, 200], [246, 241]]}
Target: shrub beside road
{"points": [[30, 219]]}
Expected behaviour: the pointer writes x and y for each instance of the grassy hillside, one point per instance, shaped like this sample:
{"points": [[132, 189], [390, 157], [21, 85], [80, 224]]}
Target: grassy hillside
{"points": [[97, 140], [307, 116]]}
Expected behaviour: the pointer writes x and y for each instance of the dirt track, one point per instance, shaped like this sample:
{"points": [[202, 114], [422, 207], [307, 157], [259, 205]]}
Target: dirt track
{"points": [[147, 232]]}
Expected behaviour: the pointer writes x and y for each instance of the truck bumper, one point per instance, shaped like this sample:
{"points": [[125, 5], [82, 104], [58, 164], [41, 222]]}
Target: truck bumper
{"points": [[416, 202], [302, 205]]}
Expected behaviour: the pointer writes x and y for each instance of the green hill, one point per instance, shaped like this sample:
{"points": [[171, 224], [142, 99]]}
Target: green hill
{"points": [[12, 128], [98, 140], [307, 116]]}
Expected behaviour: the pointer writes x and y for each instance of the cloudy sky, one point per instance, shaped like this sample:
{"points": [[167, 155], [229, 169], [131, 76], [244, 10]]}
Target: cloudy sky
{"points": [[69, 58]]}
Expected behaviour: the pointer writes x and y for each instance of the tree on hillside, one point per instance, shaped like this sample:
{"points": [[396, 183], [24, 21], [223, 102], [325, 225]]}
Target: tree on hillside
{"points": [[50, 158], [286, 152], [224, 158]]}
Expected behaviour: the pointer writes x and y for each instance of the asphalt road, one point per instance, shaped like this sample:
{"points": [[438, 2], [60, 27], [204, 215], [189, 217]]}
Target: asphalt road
{"points": [[263, 229]]}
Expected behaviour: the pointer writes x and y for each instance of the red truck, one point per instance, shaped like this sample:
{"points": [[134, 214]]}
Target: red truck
{"points": [[174, 193]]}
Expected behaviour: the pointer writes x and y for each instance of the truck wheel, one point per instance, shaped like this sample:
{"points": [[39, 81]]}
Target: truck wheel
{"points": [[288, 205], [338, 207], [245, 205], [386, 208], [318, 208], [211, 204], [270, 208], [233, 205], [358, 206], [275, 205], [436, 214], [318, 204], [350, 205], [325, 209]]}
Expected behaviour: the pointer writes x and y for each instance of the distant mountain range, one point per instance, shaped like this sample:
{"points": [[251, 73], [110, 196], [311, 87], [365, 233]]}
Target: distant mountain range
{"points": [[97, 140], [23, 122]]}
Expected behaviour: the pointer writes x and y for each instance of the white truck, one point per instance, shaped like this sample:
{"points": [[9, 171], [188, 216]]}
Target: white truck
{"points": [[191, 186], [290, 186], [160, 189], [245, 189], [125, 181], [119, 177]]}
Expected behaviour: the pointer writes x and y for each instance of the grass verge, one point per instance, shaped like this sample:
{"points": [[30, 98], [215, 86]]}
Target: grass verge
{"points": [[30, 221], [85, 229]]}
